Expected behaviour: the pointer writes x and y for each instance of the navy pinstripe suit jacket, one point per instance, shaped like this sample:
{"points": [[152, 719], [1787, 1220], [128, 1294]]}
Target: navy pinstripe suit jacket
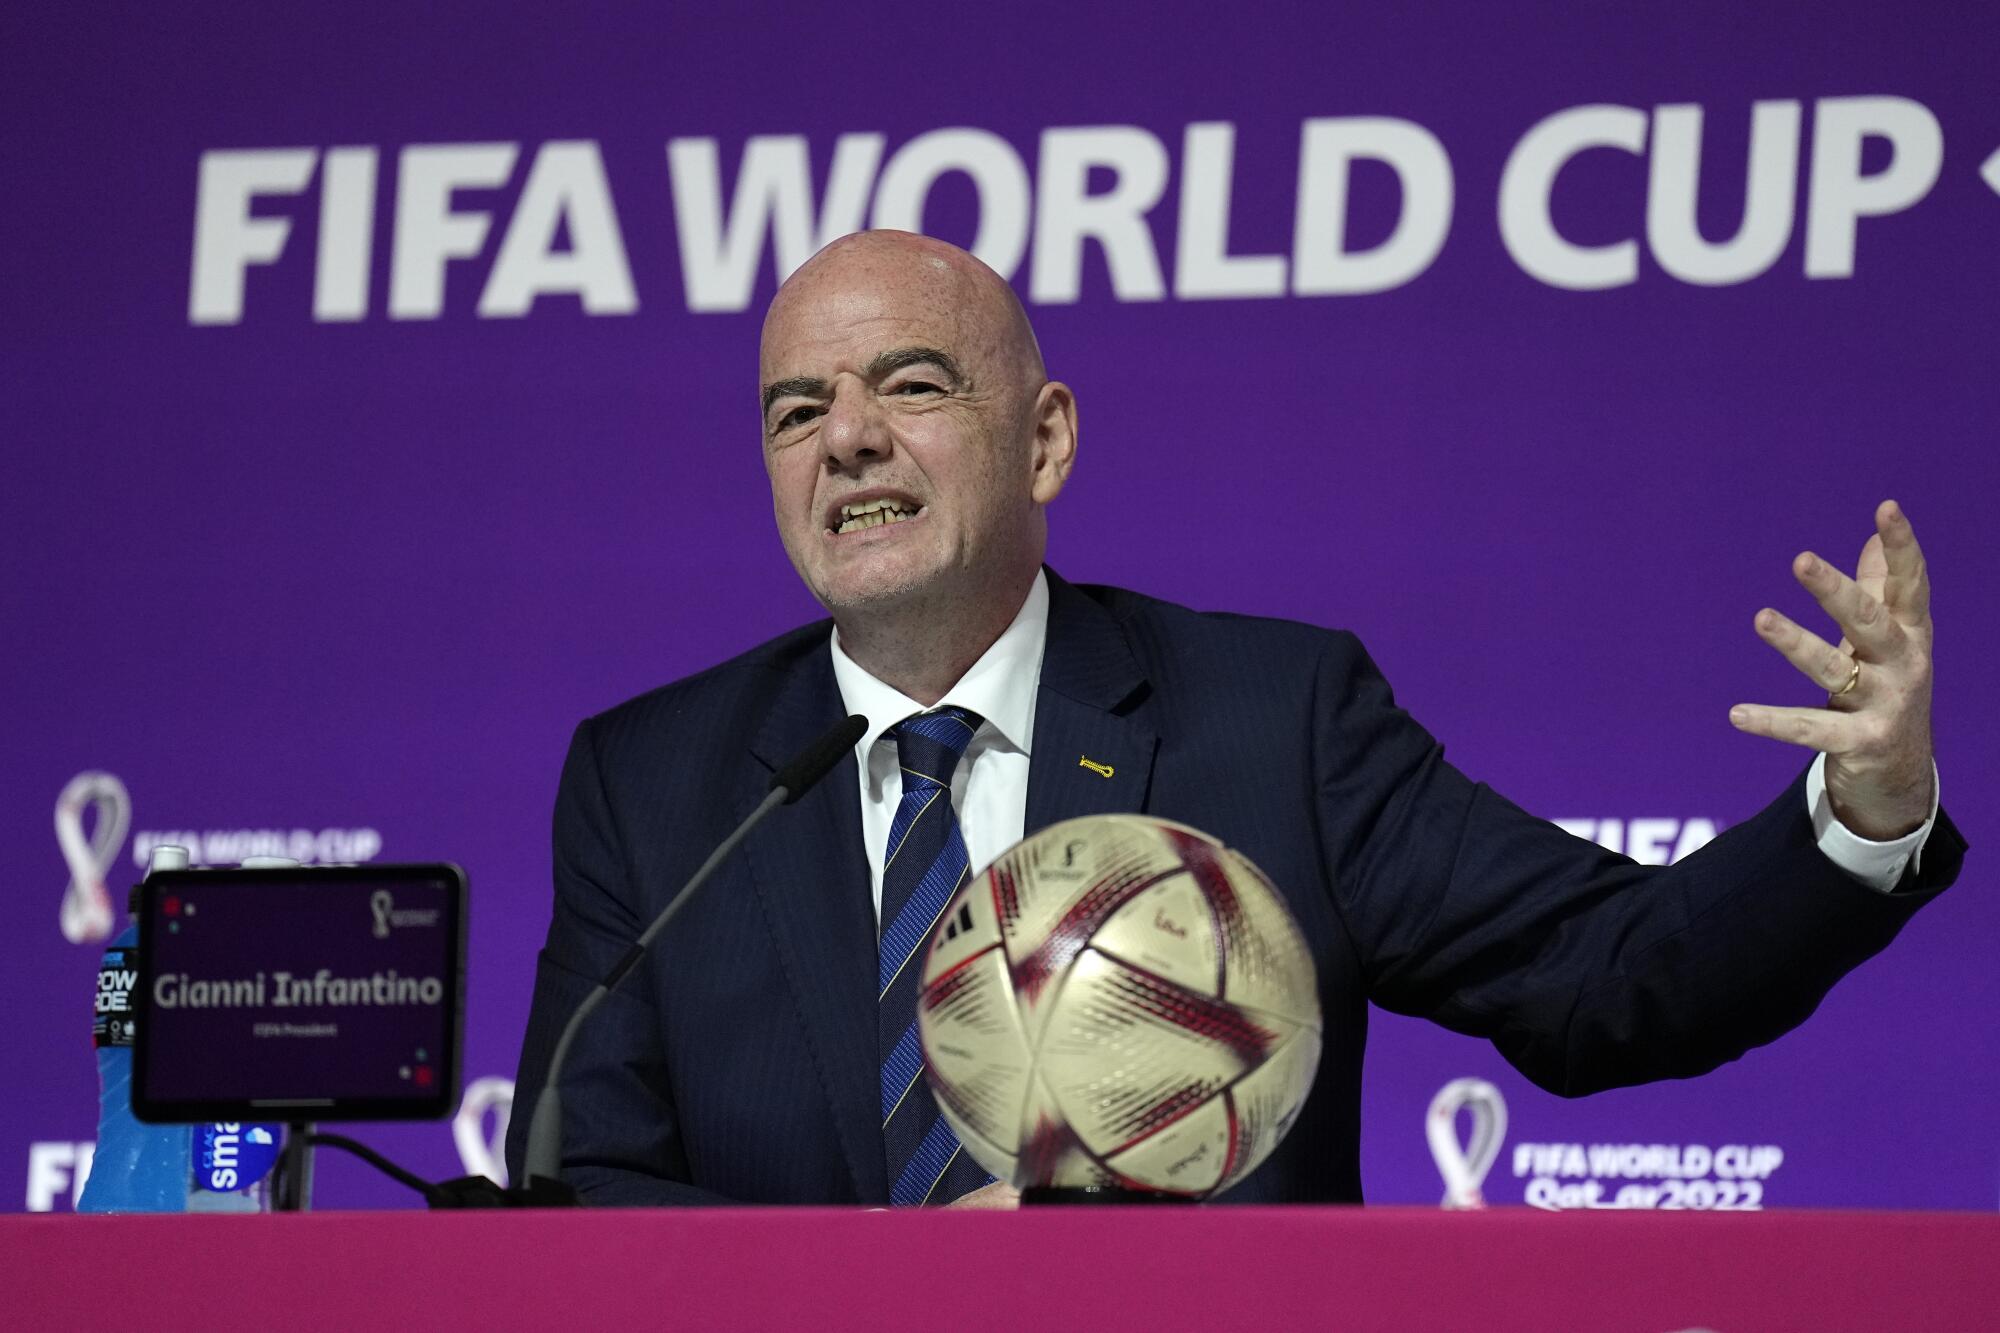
{"points": [[740, 1063]]}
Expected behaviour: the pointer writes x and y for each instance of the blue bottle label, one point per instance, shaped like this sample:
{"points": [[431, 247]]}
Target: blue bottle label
{"points": [[232, 1156], [117, 975]]}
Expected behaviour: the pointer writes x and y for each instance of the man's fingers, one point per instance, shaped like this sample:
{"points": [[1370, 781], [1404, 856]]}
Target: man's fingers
{"points": [[1865, 621], [995, 1194], [1907, 588], [1871, 568], [1814, 728], [1823, 664]]}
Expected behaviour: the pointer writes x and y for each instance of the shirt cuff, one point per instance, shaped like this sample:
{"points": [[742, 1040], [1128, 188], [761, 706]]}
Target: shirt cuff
{"points": [[1879, 865]]}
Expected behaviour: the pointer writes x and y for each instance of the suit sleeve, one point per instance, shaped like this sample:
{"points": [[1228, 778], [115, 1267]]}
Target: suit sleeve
{"points": [[1585, 969], [620, 1145]]}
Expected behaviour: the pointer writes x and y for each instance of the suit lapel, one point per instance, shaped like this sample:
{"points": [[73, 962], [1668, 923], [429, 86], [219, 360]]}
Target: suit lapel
{"points": [[1091, 753], [811, 874]]}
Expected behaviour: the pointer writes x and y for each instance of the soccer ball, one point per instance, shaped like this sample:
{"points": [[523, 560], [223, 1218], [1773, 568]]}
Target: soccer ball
{"points": [[1119, 1001]]}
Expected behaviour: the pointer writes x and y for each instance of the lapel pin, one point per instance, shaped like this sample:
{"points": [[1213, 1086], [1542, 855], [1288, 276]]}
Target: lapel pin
{"points": [[1102, 770]]}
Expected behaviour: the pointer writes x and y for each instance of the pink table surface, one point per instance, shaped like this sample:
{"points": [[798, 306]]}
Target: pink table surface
{"points": [[1151, 1268]]}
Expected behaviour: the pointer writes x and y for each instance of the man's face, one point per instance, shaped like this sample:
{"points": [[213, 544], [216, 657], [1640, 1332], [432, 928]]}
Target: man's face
{"points": [[898, 431]]}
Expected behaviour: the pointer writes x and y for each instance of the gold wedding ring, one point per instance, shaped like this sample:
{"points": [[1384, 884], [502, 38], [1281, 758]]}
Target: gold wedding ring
{"points": [[1853, 675]]}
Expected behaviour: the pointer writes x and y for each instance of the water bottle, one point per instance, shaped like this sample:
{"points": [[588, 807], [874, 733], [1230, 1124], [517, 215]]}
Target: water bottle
{"points": [[142, 1168], [138, 1168]]}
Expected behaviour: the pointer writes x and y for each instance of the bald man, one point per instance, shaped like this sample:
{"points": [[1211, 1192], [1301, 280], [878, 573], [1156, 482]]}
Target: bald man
{"points": [[766, 1053], [901, 371]]}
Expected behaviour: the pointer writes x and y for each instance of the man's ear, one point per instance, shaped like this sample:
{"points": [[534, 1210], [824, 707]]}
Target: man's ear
{"points": [[1055, 440]]}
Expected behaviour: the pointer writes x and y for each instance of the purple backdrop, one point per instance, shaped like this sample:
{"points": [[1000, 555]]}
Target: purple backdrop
{"points": [[359, 577]]}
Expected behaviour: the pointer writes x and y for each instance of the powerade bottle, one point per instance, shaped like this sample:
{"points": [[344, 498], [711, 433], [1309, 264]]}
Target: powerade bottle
{"points": [[142, 1168], [138, 1168]]}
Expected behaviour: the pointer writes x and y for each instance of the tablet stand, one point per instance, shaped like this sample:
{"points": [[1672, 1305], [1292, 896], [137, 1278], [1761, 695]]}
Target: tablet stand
{"points": [[291, 1192]]}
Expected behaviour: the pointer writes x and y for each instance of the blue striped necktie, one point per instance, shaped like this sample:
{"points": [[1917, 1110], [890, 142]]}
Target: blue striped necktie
{"points": [[923, 866]]}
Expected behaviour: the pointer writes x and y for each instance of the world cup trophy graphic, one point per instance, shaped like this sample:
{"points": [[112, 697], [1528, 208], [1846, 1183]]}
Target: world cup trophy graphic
{"points": [[1464, 1168], [87, 916], [483, 1151]]}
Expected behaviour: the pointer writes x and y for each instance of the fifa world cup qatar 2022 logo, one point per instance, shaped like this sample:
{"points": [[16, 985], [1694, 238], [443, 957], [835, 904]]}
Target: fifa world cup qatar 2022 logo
{"points": [[1464, 1167], [87, 916]]}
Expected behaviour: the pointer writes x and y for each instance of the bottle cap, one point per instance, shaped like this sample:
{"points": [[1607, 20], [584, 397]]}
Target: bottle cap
{"points": [[165, 856]]}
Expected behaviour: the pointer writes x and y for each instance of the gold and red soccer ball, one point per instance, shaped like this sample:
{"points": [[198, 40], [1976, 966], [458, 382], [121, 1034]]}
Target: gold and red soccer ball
{"points": [[1119, 1001]]}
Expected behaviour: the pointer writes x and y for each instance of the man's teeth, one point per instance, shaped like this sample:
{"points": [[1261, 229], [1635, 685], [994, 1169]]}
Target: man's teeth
{"points": [[873, 514]]}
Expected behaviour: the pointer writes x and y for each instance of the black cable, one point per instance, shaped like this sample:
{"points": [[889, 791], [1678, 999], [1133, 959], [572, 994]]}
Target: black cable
{"points": [[464, 1192], [431, 1193]]}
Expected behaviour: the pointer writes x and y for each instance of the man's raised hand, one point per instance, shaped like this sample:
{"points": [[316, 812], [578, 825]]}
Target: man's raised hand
{"points": [[1876, 730]]}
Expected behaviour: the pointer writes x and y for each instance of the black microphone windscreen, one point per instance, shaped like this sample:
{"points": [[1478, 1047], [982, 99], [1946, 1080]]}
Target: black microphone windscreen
{"points": [[814, 762]]}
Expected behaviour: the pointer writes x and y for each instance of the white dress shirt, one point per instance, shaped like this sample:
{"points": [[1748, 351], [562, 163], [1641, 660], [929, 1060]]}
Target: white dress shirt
{"points": [[989, 788], [1879, 865]]}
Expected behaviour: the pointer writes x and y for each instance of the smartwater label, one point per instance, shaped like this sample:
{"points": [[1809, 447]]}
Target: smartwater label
{"points": [[231, 1156]]}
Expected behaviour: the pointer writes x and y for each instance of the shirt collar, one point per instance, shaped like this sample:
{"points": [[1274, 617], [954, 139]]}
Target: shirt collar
{"points": [[1000, 686]]}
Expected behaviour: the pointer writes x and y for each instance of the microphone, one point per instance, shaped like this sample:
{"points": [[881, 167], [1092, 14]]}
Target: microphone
{"points": [[543, 1158], [817, 760]]}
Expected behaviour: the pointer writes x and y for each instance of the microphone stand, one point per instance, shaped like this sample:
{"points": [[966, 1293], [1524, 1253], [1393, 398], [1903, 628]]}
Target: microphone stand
{"points": [[543, 1157], [544, 1187], [542, 1161]]}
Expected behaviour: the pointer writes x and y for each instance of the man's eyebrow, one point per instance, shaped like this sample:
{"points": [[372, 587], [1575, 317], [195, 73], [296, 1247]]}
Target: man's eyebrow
{"points": [[884, 365], [803, 386], [893, 360]]}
